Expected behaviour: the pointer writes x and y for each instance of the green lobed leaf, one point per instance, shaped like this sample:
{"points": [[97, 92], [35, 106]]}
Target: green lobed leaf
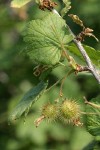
{"points": [[45, 39], [19, 3], [92, 53], [93, 121], [67, 6], [29, 98]]}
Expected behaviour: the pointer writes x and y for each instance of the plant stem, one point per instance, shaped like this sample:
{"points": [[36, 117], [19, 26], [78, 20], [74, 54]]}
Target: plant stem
{"points": [[89, 113], [91, 67], [61, 87], [91, 104]]}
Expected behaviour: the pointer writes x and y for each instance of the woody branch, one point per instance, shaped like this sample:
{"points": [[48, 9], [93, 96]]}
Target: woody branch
{"points": [[90, 66]]}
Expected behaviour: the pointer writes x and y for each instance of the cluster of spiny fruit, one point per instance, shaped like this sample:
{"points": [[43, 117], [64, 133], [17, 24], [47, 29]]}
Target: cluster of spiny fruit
{"points": [[67, 111]]}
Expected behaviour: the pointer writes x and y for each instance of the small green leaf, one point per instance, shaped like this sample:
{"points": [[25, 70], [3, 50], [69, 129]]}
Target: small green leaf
{"points": [[93, 121], [19, 3], [92, 53], [45, 39], [29, 98], [67, 6]]}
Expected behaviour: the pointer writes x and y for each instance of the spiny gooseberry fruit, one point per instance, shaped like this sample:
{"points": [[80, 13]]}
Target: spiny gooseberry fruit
{"points": [[50, 112], [69, 111]]}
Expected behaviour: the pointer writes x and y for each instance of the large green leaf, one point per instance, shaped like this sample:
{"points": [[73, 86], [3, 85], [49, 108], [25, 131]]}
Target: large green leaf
{"points": [[93, 121], [29, 98], [92, 53], [45, 39], [19, 3]]}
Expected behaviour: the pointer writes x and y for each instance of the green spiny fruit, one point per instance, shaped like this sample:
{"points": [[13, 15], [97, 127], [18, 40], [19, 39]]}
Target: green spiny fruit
{"points": [[69, 111], [50, 111]]}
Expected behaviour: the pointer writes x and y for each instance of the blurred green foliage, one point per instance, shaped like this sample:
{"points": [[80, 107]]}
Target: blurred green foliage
{"points": [[16, 77]]}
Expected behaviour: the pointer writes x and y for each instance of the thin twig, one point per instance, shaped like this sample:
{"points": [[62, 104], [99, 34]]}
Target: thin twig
{"points": [[61, 87], [91, 67], [89, 113], [53, 85], [91, 104], [71, 71]]}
